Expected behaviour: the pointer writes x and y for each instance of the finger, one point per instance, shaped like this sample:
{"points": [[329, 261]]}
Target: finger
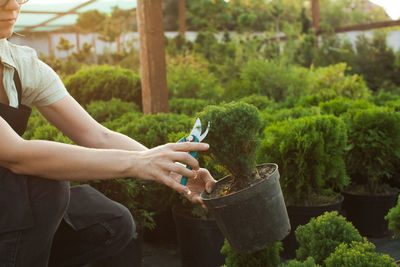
{"points": [[187, 159], [175, 185], [182, 170], [208, 180], [189, 146]]}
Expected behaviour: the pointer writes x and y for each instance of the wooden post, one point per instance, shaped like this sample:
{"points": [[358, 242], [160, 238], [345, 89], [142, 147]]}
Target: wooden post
{"points": [[315, 15], [78, 43], [118, 26], [182, 17], [50, 43], [315, 19], [152, 56]]}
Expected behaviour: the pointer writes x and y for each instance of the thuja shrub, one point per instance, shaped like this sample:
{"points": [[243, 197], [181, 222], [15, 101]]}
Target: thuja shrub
{"points": [[310, 153], [394, 219], [104, 83], [373, 145], [341, 105], [233, 138], [268, 257], [319, 238], [259, 101], [272, 115], [188, 106], [309, 262], [103, 111], [152, 129], [358, 254]]}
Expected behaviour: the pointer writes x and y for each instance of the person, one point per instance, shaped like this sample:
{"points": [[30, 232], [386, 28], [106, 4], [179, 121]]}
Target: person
{"points": [[44, 221]]}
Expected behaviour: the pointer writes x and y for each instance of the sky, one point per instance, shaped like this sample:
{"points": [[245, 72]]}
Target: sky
{"points": [[392, 7]]}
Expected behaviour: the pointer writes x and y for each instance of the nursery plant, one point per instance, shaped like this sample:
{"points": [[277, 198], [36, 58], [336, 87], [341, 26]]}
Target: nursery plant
{"points": [[358, 254], [309, 262], [244, 202], [319, 238], [310, 151], [394, 219], [267, 257]]}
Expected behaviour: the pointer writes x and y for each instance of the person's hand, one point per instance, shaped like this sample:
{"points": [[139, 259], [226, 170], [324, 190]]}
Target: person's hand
{"points": [[201, 181], [161, 164]]}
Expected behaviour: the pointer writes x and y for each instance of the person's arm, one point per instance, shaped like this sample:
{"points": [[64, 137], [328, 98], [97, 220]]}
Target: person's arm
{"points": [[71, 119], [58, 161]]}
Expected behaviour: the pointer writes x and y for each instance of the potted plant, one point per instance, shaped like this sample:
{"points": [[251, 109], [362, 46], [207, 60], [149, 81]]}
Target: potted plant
{"points": [[319, 238], [372, 156], [393, 217], [199, 238], [267, 257], [309, 262], [310, 151], [248, 204], [358, 254]]}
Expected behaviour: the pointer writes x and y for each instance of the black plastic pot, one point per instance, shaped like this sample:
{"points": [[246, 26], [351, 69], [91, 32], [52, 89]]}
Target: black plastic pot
{"points": [[252, 218], [300, 215], [165, 230], [200, 241], [367, 212]]}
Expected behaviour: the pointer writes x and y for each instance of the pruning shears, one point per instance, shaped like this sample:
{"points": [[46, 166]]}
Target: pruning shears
{"points": [[194, 136]]}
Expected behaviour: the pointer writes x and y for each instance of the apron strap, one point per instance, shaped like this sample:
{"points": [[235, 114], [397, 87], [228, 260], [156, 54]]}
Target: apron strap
{"points": [[17, 82]]}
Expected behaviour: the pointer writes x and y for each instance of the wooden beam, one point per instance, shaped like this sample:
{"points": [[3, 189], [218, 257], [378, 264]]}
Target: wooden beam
{"points": [[152, 56], [369, 26], [182, 17], [315, 14]]}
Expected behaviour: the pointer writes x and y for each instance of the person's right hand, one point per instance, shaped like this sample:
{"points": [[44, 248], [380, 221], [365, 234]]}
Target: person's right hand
{"points": [[157, 163]]}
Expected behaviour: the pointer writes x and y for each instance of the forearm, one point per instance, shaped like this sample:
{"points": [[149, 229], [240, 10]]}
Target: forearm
{"points": [[68, 162], [114, 140]]}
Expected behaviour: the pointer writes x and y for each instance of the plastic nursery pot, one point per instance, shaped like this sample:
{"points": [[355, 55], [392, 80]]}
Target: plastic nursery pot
{"points": [[199, 241], [367, 212], [251, 218]]}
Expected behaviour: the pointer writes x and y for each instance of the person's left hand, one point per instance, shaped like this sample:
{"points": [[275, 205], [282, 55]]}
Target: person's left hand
{"points": [[202, 180]]}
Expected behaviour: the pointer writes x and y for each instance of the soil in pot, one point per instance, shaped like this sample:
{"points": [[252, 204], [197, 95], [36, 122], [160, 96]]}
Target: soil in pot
{"points": [[253, 217], [199, 240]]}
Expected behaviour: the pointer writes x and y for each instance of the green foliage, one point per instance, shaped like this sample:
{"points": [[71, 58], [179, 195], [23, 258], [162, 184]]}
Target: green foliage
{"points": [[153, 129], [373, 145], [375, 60], [267, 257], [128, 192], [259, 101], [188, 106], [271, 79], [394, 219], [310, 153], [319, 238], [341, 105], [272, 115], [381, 97], [64, 45], [306, 49], [358, 254], [233, 137], [90, 21], [103, 111], [309, 262], [104, 83]]}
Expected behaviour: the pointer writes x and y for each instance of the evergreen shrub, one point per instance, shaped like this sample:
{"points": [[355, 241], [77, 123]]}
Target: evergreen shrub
{"points": [[358, 254], [310, 153], [319, 238], [394, 219], [309, 262], [373, 149], [259, 101], [103, 111], [233, 138], [268, 257], [341, 105], [104, 83], [188, 106]]}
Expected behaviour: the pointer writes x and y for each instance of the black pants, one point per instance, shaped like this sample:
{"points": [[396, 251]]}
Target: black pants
{"points": [[53, 239]]}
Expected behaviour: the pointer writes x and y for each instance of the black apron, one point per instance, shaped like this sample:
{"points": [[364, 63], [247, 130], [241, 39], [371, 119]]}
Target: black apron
{"points": [[87, 206]]}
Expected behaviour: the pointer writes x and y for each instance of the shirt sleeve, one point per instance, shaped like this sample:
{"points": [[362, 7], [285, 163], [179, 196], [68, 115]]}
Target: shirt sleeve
{"points": [[43, 85]]}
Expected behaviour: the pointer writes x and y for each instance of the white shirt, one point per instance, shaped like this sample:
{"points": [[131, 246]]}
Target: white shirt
{"points": [[41, 86]]}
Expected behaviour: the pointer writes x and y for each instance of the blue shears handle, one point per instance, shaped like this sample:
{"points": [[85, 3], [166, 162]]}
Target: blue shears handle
{"points": [[184, 179]]}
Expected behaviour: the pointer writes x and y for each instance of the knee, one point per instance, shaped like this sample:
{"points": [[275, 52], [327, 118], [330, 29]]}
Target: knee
{"points": [[122, 228]]}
